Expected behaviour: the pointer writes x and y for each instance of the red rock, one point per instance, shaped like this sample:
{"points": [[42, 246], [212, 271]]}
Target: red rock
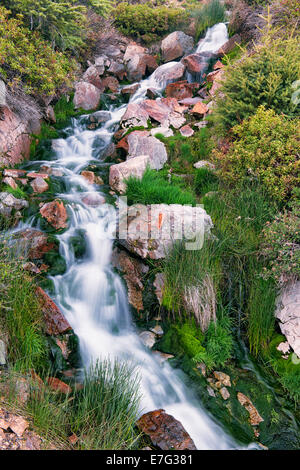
{"points": [[130, 89], [10, 182], [213, 75], [39, 185], [165, 431], [151, 63], [229, 45], [89, 176], [200, 108], [111, 83], [14, 138], [217, 82], [55, 213], [37, 175], [58, 386], [91, 75], [33, 242], [181, 90], [175, 45], [86, 96], [194, 63], [14, 173], [55, 321], [73, 439], [186, 131], [123, 144], [18, 425], [218, 65]]}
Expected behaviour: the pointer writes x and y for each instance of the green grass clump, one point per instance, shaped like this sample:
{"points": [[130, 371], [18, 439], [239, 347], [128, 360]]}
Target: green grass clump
{"points": [[205, 180], [21, 316], [185, 338], [16, 192], [208, 15], [155, 189]]}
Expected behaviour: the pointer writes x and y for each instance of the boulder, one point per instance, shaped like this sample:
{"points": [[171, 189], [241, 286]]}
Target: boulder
{"points": [[117, 69], [55, 322], [169, 72], [186, 131], [10, 172], [121, 171], [33, 243], [176, 45], [148, 338], [288, 314], [190, 101], [165, 431], [91, 75], [14, 138], [89, 176], [130, 89], [229, 45], [152, 230], [86, 96], [217, 81], [198, 62], [134, 116], [167, 111], [55, 213], [181, 90], [138, 62], [8, 202], [99, 117], [200, 109], [10, 182], [39, 185], [147, 145], [111, 83]]}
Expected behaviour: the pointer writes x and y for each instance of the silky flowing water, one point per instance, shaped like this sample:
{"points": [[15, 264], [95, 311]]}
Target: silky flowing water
{"points": [[92, 296]]}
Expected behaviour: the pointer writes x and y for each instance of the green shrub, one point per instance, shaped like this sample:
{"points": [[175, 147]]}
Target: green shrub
{"points": [[265, 149], [153, 188], [26, 57], [264, 77], [184, 339], [281, 244], [140, 20], [208, 15]]}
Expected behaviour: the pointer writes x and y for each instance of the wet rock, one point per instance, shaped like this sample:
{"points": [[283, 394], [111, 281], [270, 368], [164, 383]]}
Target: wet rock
{"points": [[186, 131], [121, 171], [99, 117], [169, 72], [165, 431], [229, 45], [153, 229], [196, 63], [111, 83], [130, 89], [181, 89], [288, 314], [151, 93], [204, 164], [134, 116], [89, 176], [91, 75], [10, 182], [55, 213], [254, 415], [55, 321], [176, 45], [93, 199], [39, 185], [14, 138], [223, 378], [139, 144], [148, 339], [162, 357], [32, 243], [58, 386], [86, 96], [200, 109]]}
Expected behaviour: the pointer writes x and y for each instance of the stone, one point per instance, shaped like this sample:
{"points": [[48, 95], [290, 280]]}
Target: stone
{"points": [[100, 64], [99, 117], [204, 164], [167, 111], [190, 101], [288, 314], [224, 393], [169, 72], [148, 338], [117, 69], [18, 425], [55, 213], [31, 267], [200, 108], [73, 439], [159, 284], [151, 93], [138, 62], [152, 229], [201, 302], [283, 347], [217, 81], [210, 392], [2, 353], [10, 182], [254, 416], [229, 45], [89, 176], [181, 89], [157, 330], [111, 83], [165, 131], [32, 243], [196, 63], [119, 172], [22, 389], [200, 124], [14, 173], [134, 116], [176, 45], [86, 96], [39, 185], [50, 114], [223, 378], [34, 175], [91, 75], [14, 138], [8, 202], [186, 131], [58, 386], [147, 145], [56, 323], [202, 367], [218, 65], [165, 431], [93, 199], [130, 89]]}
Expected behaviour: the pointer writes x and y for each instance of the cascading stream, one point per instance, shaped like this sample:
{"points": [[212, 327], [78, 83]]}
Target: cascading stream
{"points": [[92, 296]]}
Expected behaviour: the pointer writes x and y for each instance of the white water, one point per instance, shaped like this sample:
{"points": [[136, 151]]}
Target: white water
{"points": [[214, 38], [93, 298]]}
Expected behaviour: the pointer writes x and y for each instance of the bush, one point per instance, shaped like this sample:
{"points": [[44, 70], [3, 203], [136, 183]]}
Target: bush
{"points": [[26, 57], [281, 244], [264, 77], [153, 188], [139, 20], [266, 150]]}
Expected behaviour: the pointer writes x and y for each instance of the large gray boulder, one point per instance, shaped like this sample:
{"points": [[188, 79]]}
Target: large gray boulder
{"points": [[288, 314], [176, 45], [121, 171], [140, 144], [86, 96], [169, 72]]}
